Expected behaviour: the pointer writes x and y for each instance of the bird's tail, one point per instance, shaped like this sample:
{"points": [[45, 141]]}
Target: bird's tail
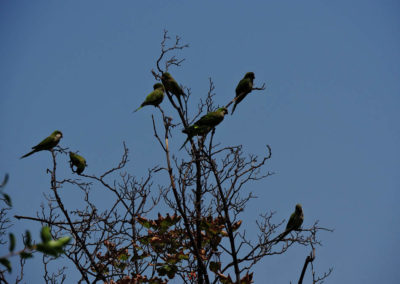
{"points": [[180, 102], [30, 153], [188, 138], [234, 107], [138, 109], [281, 236]]}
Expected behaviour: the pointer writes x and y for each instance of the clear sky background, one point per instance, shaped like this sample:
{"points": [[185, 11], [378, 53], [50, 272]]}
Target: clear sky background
{"points": [[330, 111]]}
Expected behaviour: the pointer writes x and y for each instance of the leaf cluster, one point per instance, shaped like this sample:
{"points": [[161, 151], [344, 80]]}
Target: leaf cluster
{"points": [[48, 246]]}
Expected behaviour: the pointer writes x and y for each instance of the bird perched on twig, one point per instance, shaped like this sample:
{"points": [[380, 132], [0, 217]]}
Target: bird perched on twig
{"points": [[171, 85], [78, 161], [47, 144], [244, 87], [294, 223], [205, 124], [155, 97]]}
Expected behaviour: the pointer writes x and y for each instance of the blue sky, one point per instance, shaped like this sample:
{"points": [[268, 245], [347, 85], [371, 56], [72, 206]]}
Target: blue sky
{"points": [[330, 110]]}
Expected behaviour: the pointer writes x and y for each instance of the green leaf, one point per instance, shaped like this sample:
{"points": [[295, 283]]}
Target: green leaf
{"points": [[215, 266], [168, 270], [7, 199], [45, 234], [63, 241], [145, 224], [25, 255], [12, 242], [142, 256], [183, 256], [4, 181], [172, 270], [53, 247], [6, 263], [144, 240], [123, 257], [46, 249], [165, 224], [171, 261], [121, 266], [28, 239], [162, 271]]}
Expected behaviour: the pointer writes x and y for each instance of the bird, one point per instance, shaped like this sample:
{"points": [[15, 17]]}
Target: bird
{"points": [[155, 97], [294, 223], [205, 124], [78, 161], [171, 85], [244, 87], [47, 144]]}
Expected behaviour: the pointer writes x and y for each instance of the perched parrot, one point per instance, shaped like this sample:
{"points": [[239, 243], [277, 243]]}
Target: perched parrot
{"points": [[78, 161], [205, 124], [155, 97], [294, 223], [243, 88], [47, 144], [171, 85]]}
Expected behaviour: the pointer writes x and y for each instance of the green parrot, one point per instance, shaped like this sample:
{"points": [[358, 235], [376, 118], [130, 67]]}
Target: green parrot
{"points": [[205, 124], [244, 87], [155, 97], [171, 85], [294, 223], [78, 161], [47, 144]]}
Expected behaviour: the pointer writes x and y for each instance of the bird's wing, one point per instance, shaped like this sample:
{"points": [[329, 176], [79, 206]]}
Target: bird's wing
{"points": [[243, 86], [177, 89], [210, 119], [291, 222], [151, 97], [44, 144]]}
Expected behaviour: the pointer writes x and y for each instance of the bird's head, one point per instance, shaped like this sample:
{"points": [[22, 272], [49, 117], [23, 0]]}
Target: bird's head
{"points": [[299, 208], [58, 134], [158, 86], [250, 75], [224, 110]]}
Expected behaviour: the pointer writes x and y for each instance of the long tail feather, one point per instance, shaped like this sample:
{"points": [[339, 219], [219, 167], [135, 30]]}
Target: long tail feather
{"points": [[138, 108], [180, 102], [281, 236], [184, 143], [26, 155], [234, 107]]}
